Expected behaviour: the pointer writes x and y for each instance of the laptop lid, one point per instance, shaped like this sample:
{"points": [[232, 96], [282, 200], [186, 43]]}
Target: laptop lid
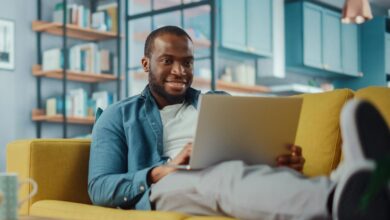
{"points": [[253, 129]]}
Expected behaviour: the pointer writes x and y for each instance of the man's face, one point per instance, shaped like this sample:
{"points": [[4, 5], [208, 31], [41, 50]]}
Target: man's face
{"points": [[170, 68]]}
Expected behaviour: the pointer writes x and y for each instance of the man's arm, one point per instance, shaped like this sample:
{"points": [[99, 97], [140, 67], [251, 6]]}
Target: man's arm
{"points": [[109, 182]]}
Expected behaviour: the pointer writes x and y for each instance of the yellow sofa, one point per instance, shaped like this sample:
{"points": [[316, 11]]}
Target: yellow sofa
{"points": [[60, 166]]}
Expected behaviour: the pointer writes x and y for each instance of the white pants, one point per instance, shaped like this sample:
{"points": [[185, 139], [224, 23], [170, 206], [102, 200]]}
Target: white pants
{"points": [[245, 192]]}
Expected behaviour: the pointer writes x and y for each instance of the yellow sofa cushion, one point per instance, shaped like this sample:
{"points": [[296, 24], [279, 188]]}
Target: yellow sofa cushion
{"points": [[59, 166], [379, 96], [319, 131], [70, 210], [209, 218]]}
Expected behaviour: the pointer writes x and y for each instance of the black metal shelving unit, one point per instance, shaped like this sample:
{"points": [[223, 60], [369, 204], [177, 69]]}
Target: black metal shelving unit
{"points": [[65, 72], [180, 7]]}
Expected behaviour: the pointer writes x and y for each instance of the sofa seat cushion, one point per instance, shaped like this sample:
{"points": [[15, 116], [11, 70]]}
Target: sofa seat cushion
{"points": [[379, 96], [209, 218], [319, 130], [70, 210]]}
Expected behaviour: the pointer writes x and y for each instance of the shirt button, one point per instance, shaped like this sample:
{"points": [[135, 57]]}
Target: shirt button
{"points": [[142, 188]]}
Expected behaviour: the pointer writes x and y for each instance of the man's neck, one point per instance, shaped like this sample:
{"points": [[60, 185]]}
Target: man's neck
{"points": [[162, 101]]}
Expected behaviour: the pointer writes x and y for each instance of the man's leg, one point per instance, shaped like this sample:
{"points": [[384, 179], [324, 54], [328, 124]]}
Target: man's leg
{"points": [[262, 192], [244, 192], [366, 139]]}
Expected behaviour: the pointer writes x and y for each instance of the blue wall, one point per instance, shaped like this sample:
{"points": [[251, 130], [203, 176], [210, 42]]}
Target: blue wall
{"points": [[17, 87]]}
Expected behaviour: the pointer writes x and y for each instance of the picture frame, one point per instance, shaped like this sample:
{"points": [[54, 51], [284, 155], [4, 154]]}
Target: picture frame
{"points": [[7, 44]]}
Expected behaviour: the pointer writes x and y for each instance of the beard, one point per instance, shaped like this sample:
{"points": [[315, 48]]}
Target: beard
{"points": [[159, 89]]}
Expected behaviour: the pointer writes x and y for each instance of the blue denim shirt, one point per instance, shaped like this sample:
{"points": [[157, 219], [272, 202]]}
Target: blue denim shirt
{"points": [[127, 142]]}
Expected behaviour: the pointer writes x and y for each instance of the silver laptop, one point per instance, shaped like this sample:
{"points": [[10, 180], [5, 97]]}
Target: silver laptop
{"points": [[253, 129]]}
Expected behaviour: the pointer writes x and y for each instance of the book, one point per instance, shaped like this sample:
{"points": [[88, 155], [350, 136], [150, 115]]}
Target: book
{"points": [[102, 99], [111, 15], [106, 61], [75, 14], [52, 59], [99, 21], [79, 101]]}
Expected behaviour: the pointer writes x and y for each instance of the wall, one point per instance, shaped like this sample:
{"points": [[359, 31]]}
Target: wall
{"points": [[17, 87]]}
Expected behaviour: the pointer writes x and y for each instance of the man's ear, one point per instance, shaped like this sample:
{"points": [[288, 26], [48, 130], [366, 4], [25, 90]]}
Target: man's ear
{"points": [[145, 64]]}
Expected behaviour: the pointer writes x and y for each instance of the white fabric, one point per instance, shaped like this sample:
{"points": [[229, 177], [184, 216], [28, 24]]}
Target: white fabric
{"points": [[179, 124]]}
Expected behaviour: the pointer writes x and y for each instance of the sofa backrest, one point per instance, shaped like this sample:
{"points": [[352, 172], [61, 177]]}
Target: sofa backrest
{"points": [[319, 130], [59, 166]]}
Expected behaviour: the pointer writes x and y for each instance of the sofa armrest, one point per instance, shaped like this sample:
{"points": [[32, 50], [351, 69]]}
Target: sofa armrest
{"points": [[59, 166]]}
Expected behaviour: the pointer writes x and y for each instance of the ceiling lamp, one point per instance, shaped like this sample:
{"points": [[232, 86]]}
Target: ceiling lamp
{"points": [[356, 11]]}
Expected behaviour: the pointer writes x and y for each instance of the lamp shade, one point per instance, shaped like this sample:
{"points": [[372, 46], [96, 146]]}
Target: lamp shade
{"points": [[356, 11]]}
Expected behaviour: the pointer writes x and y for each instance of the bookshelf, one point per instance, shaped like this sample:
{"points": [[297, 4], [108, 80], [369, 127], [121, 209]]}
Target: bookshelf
{"points": [[78, 61]]}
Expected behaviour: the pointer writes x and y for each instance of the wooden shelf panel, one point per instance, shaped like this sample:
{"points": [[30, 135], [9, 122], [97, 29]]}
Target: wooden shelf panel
{"points": [[237, 87], [73, 31], [38, 115], [221, 85], [73, 75]]}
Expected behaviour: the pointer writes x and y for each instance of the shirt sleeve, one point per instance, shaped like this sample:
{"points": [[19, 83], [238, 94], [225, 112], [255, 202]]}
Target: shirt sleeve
{"points": [[109, 182]]}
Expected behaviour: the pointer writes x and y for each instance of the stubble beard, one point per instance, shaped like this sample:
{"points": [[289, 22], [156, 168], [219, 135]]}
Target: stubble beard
{"points": [[160, 91]]}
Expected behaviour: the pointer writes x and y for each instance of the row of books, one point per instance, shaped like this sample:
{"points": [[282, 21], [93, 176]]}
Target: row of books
{"points": [[82, 57], [78, 104], [103, 19]]}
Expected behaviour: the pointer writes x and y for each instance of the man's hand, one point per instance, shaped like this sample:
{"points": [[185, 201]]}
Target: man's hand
{"points": [[294, 160], [182, 158]]}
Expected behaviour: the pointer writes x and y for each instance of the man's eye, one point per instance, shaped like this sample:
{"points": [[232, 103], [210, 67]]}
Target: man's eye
{"points": [[188, 63], [166, 61]]}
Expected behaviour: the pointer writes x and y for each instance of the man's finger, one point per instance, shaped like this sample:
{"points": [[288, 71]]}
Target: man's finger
{"points": [[284, 159], [296, 150], [298, 167], [295, 159]]}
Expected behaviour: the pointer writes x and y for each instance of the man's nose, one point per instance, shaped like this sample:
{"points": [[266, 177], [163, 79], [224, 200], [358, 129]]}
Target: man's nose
{"points": [[177, 68]]}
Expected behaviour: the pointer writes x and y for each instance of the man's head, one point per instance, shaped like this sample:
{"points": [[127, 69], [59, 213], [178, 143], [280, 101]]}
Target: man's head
{"points": [[168, 59]]}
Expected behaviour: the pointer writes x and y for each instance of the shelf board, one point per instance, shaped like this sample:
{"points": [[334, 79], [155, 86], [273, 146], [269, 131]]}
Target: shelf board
{"points": [[221, 85], [73, 75], [38, 115], [293, 89], [238, 87], [72, 31]]}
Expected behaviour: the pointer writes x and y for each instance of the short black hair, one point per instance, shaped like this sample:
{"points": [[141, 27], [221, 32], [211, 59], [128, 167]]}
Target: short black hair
{"points": [[160, 31]]}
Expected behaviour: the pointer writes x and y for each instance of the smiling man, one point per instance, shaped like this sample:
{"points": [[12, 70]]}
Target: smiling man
{"points": [[134, 139]]}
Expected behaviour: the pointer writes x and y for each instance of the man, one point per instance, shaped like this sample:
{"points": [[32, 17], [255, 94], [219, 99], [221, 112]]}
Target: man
{"points": [[134, 139]]}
